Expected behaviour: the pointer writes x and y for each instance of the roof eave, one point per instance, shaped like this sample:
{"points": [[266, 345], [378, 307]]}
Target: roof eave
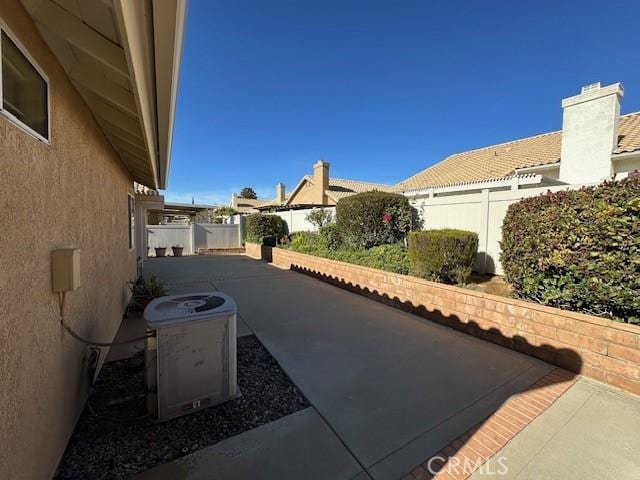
{"points": [[153, 49], [525, 179]]}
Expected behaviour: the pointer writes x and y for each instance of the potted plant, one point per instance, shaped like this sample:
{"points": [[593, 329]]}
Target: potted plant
{"points": [[145, 290], [161, 251], [177, 250]]}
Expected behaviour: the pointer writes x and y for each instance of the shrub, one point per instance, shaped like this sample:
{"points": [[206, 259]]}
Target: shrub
{"points": [[578, 250], [260, 227], [445, 255], [319, 217], [392, 258], [375, 218], [307, 242], [332, 236]]}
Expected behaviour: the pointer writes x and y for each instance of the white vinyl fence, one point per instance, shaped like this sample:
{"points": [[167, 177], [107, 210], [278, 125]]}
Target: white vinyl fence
{"points": [[208, 235], [296, 219], [193, 237], [170, 236], [482, 213]]}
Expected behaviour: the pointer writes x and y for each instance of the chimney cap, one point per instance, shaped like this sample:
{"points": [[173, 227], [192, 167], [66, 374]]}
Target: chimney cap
{"points": [[321, 163], [591, 86], [592, 92]]}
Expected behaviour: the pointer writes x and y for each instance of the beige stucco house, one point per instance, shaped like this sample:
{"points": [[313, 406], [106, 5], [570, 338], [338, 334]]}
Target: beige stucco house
{"points": [[317, 190], [245, 206], [87, 106]]}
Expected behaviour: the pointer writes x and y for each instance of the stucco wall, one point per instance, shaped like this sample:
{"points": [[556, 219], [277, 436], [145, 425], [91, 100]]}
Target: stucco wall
{"points": [[72, 193]]}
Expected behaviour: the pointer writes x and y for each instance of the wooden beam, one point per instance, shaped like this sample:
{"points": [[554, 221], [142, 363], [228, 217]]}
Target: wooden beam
{"points": [[100, 85], [71, 28]]}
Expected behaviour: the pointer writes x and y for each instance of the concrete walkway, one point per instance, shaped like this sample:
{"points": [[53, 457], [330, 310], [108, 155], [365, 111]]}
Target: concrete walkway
{"points": [[590, 432], [391, 388]]}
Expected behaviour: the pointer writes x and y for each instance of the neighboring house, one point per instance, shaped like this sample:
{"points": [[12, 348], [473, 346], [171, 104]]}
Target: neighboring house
{"points": [[472, 190], [313, 191], [88, 98], [245, 206], [318, 190]]}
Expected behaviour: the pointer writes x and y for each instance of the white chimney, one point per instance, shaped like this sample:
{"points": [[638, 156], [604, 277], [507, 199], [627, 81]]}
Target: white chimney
{"points": [[590, 133], [280, 189]]}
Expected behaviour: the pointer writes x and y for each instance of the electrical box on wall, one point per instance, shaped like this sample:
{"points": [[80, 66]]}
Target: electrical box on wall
{"points": [[65, 269]]}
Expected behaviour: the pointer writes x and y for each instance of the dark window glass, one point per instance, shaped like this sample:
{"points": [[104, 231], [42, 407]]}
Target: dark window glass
{"points": [[24, 91]]}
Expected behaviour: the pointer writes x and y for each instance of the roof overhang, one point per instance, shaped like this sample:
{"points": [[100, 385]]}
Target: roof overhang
{"points": [[123, 57], [286, 208], [626, 156], [539, 168]]}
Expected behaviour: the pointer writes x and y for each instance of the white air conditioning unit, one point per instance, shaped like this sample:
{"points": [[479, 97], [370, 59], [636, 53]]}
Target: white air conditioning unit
{"points": [[191, 360]]}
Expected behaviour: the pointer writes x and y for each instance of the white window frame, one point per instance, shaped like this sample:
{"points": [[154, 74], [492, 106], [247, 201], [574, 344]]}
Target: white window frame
{"points": [[8, 115], [131, 202]]}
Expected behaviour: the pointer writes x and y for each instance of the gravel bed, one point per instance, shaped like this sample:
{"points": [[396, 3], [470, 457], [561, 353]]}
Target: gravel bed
{"points": [[117, 440]]}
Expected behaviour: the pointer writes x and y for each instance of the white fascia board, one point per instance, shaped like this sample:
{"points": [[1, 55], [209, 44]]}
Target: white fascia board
{"points": [[136, 31], [625, 156], [528, 179], [538, 168], [169, 19]]}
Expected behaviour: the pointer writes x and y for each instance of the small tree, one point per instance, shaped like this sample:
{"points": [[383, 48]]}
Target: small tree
{"points": [[221, 212], [248, 192], [319, 217]]}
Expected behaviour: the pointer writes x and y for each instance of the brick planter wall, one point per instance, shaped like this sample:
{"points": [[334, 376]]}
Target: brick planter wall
{"points": [[595, 347], [253, 250]]}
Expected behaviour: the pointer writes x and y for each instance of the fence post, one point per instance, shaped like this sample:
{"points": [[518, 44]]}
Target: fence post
{"points": [[484, 228]]}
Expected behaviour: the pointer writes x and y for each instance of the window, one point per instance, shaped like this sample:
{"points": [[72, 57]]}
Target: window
{"points": [[132, 221], [24, 90]]}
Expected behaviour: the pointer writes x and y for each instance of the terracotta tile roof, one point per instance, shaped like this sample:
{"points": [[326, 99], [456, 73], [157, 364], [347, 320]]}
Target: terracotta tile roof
{"points": [[498, 161], [248, 202], [630, 133], [273, 202], [340, 188]]}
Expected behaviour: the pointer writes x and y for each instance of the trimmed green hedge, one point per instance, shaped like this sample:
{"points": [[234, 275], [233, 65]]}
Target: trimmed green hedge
{"points": [[578, 250], [374, 218], [392, 257], [265, 229], [445, 255]]}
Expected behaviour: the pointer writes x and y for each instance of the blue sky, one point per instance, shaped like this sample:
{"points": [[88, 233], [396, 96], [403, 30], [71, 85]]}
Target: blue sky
{"points": [[380, 89]]}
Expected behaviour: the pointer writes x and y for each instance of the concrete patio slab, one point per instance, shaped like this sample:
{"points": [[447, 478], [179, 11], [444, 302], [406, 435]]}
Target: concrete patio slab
{"points": [[297, 446], [589, 432], [393, 387], [205, 268]]}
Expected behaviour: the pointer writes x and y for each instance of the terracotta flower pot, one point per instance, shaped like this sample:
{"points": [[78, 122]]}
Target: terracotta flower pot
{"points": [[161, 251], [177, 251]]}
